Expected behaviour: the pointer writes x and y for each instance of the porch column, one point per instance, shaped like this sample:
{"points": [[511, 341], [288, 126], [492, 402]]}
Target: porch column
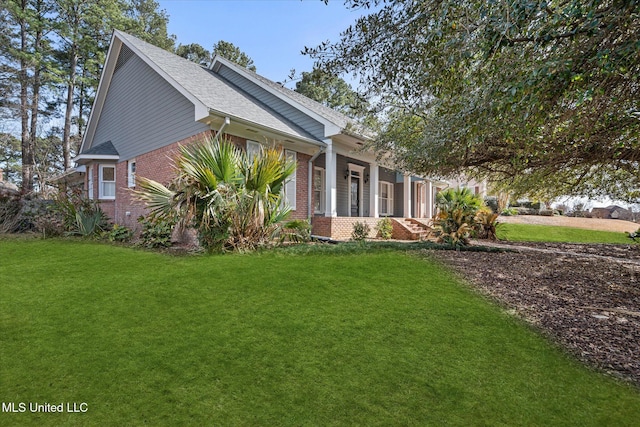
{"points": [[330, 185], [429, 190], [406, 186], [373, 191]]}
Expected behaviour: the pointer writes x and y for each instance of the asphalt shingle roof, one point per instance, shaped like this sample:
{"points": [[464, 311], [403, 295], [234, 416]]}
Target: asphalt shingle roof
{"points": [[213, 91], [106, 148]]}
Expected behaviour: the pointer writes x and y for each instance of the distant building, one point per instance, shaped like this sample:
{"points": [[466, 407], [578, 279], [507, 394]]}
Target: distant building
{"points": [[612, 212]]}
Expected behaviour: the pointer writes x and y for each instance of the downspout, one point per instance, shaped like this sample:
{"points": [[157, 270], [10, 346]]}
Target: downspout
{"points": [[226, 122], [310, 183]]}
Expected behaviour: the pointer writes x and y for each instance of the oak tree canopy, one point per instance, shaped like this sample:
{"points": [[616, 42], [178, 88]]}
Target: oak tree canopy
{"points": [[539, 96]]}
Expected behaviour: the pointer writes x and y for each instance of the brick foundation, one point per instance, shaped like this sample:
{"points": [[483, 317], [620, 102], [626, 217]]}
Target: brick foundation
{"points": [[340, 228]]}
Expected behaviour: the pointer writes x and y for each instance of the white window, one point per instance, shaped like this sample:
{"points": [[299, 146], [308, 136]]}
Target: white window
{"points": [[131, 173], [90, 181], [253, 149], [107, 182], [385, 198], [318, 190], [290, 185]]}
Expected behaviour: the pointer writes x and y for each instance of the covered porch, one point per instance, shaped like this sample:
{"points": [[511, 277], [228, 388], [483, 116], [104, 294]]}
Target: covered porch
{"points": [[347, 188]]}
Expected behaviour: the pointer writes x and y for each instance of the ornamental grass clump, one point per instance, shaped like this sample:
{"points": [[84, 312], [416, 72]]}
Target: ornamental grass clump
{"points": [[234, 202]]}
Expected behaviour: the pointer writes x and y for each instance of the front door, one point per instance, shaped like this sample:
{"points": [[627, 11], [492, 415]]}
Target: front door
{"points": [[355, 195]]}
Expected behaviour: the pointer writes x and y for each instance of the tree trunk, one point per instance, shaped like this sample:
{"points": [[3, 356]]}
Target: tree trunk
{"points": [[66, 136], [26, 143]]}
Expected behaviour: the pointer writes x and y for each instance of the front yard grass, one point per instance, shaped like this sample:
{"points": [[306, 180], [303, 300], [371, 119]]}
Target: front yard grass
{"points": [[277, 338], [552, 233]]}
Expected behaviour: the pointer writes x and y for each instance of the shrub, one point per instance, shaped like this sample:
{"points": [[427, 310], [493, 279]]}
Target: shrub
{"points": [[384, 227], [50, 224], [455, 219], [510, 212], [156, 232], [80, 216], [360, 231], [10, 207], [486, 224], [235, 203], [492, 203], [119, 233], [297, 231]]}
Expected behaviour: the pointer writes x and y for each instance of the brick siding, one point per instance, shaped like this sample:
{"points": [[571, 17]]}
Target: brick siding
{"points": [[158, 165]]}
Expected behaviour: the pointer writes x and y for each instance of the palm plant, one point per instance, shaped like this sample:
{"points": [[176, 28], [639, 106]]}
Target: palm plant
{"points": [[233, 202], [455, 220]]}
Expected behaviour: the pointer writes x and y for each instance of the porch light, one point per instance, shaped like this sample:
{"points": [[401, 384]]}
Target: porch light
{"points": [[346, 173], [366, 178]]}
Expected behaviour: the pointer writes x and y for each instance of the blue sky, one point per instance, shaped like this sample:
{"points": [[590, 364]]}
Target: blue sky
{"points": [[271, 32]]}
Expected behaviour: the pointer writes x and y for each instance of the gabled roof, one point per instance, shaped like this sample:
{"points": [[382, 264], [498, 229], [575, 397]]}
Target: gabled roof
{"points": [[341, 121], [216, 94], [209, 92]]}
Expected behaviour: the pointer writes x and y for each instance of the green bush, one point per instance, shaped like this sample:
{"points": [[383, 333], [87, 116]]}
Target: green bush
{"points": [[119, 233], [296, 231], [233, 201], [384, 227], [80, 216], [492, 203], [360, 231], [455, 222], [156, 232], [510, 212]]}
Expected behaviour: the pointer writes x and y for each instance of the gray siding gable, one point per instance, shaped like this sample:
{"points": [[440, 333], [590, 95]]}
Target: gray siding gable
{"points": [[143, 112], [310, 125]]}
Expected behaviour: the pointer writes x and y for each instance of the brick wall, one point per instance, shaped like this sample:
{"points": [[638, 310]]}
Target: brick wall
{"points": [[158, 165], [302, 188], [340, 228]]}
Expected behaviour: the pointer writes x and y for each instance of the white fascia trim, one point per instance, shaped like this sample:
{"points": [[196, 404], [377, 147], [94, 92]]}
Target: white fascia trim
{"points": [[101, 93], [330, 128], [268, 129], [111, 157], [202, 111]]}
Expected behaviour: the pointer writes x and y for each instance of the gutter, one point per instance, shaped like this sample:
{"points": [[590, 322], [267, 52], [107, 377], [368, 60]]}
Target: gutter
{"points": [[310, 183]]}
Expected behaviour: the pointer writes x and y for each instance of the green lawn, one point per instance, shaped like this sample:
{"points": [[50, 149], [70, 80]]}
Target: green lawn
{"points": [[378, 337], [549, 233]]}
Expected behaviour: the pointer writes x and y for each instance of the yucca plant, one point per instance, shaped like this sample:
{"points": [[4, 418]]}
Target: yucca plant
{"points": [[234, 203]]}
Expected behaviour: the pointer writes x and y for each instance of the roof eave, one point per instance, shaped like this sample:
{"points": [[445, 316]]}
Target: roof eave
{"points": [[268, 129], [82, 159]]}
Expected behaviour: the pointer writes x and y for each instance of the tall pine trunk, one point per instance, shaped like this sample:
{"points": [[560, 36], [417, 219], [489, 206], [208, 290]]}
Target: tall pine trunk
{"points": [[26, 142], [66, 136]]}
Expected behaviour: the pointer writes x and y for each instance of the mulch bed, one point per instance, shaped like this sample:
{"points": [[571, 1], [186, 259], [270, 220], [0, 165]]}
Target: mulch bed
{"points": [[586, 297]]}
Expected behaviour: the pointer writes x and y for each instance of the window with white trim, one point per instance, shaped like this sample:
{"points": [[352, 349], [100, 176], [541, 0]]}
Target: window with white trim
{"points": [[385, 198], [318, 190], [290, 184], [131, 173], [253, 149], [90, 181], [107, 182]]}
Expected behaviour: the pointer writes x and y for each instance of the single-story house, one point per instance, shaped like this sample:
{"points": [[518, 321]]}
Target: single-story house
{"points": [[150, 101], [612, 212]]}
